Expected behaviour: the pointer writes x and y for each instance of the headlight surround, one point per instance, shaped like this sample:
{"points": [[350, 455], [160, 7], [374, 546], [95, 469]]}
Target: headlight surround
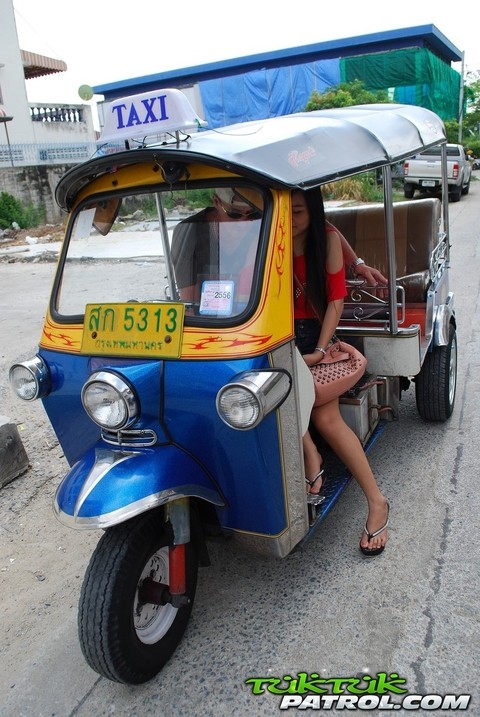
{"points": [[245, 401], [109, 401], [30, 379]]}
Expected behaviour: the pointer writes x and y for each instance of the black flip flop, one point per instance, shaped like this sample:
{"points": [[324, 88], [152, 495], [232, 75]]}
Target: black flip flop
{"points": [[371, 552], [316, 498]]}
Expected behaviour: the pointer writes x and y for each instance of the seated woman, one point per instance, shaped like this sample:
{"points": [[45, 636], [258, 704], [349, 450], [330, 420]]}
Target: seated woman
{"points": [[319, 268]]}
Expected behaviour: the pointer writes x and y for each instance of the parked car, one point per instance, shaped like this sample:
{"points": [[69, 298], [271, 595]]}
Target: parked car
{"points": [[423, 172]]}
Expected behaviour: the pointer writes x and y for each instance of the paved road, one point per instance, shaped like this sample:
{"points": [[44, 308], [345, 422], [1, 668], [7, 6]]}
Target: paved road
{"points": [[413, 611]]}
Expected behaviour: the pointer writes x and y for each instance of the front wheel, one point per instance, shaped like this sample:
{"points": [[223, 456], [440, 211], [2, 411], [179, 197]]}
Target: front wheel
{"points": [[435, 385], [123, 637]]}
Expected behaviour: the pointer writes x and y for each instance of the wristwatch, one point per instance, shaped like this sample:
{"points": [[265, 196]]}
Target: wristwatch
{"points": [[357, 262]]}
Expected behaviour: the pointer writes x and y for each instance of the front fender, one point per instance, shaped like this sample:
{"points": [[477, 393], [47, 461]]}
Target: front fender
{"points": [[108, 486]]}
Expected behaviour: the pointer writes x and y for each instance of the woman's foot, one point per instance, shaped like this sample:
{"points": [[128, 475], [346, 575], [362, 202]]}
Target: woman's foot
{"points": [[316, 483], [375, 533], [314, 486]]}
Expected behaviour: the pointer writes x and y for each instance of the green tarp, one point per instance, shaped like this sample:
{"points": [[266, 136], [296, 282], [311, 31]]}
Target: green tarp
{"points": [[412, 76]]}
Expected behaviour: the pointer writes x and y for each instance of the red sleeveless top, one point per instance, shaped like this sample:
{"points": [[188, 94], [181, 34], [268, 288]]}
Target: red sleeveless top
{"points": [[336, 289]]}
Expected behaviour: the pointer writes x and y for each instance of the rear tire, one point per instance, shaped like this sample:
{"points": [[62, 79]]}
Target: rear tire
{"points": [[122, 638], [456, 194], [435, 385], [408, 190]]}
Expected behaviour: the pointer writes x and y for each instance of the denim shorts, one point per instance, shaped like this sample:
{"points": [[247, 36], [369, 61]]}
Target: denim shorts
{"points": [[307, 332]]}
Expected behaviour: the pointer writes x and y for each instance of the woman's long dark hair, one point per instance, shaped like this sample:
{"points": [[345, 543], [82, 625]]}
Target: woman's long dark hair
{"points": [[315, 250]]}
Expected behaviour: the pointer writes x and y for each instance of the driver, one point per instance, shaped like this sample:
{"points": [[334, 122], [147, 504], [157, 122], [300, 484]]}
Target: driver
{"points": [[219, 241]]}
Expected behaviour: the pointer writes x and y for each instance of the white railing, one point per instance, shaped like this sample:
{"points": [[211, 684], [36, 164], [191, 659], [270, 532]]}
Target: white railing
{"points": [[24, 155], [57, 113]]}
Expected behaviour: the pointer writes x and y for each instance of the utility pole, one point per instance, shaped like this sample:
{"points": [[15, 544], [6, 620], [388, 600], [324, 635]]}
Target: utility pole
{"points": [[460, 100]]}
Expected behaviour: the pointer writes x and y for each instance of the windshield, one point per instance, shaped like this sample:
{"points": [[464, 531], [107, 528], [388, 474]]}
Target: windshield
{"points": [[195, 246]]}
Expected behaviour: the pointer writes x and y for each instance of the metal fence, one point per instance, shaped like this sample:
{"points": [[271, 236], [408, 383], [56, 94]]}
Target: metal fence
{"points": [[26, 155]]}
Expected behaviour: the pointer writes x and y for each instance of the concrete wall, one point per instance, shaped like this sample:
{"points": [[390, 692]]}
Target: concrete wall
{"points": [[35, 186]]}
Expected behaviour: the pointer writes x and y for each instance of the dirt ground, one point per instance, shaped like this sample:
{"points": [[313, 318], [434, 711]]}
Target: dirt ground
{"points": [[42, 234], [41, 562]]}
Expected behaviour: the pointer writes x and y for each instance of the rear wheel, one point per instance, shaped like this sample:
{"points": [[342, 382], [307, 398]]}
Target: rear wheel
{"points": [[456, 194], [435, 385], [408, 190], [124, 637]]}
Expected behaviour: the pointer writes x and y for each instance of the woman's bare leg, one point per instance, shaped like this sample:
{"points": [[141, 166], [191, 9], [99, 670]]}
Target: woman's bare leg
{"points": [[313, 463], [344, 442]]}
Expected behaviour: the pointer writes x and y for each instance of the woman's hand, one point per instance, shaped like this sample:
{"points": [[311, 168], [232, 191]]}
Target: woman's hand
{"points": [[373, 278], [313, 359]]}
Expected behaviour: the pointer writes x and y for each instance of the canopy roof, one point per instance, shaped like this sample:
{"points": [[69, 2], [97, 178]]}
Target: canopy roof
{"points": [[300, 150]]}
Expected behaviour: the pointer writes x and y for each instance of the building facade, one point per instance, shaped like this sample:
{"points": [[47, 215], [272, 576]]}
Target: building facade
{"points": [[40, 133], [414, 65]]}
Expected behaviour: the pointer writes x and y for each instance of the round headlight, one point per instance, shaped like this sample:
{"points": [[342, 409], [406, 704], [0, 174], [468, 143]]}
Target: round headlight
{"points": [[250, 396], [238, 407], [30, 379], [109, 401]]}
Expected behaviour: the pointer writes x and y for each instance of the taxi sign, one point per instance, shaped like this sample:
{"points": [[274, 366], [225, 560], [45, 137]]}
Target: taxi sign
{"points": [[149, 113], [152, 330]]}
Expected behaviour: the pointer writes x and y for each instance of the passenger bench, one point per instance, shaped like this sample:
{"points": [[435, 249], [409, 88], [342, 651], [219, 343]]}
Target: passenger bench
{"points": [[416, 226]]}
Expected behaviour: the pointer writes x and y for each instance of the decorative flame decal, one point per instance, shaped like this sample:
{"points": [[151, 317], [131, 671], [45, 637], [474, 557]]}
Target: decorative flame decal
{"points": [[66, 337], [226, 343]]}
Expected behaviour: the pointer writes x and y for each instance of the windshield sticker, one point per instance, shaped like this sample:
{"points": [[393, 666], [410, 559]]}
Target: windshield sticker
{"points": [[84, 224], [217, 298]]}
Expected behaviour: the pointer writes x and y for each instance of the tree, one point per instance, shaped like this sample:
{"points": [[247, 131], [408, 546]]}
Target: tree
{"points": [[345, 94], [471, 118]]}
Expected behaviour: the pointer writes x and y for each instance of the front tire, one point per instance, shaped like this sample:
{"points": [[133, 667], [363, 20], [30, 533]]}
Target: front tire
{"points": [[122, 638], [435, 385]]}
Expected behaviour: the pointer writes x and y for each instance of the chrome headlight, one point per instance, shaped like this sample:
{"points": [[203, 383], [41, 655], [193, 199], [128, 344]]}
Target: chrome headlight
{"points": [[30, 379], [109, 401], [251, 396]]}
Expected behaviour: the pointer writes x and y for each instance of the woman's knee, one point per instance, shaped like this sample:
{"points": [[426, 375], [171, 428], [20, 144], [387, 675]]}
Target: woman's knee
{"points": [[325, 418]]}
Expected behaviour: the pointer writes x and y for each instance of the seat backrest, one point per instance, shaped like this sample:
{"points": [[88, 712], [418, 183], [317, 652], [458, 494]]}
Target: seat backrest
{"points": [[416, 226]]}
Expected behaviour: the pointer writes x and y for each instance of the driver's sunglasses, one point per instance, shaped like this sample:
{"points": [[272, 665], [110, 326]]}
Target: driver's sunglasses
{"points": [[252, 214]]}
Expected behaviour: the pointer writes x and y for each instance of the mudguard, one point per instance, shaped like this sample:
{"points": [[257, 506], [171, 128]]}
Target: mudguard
{"points": [[444, 315], [108, 486]]}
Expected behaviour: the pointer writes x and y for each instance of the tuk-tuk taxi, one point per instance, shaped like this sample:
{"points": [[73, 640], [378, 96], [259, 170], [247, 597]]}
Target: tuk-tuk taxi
{"points": [[167, 364]]}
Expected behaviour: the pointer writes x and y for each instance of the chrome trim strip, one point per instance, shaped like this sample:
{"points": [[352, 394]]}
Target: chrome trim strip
{"points": [[136, 438], [104, 460], [140, 506]]}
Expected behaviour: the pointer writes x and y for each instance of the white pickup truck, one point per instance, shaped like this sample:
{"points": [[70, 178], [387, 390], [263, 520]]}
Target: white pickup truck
{"points": [[424, 172]]}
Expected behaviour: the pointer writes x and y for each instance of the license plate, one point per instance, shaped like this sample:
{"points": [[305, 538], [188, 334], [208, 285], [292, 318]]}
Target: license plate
{"points": [[428, 183], [145, 330]]}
